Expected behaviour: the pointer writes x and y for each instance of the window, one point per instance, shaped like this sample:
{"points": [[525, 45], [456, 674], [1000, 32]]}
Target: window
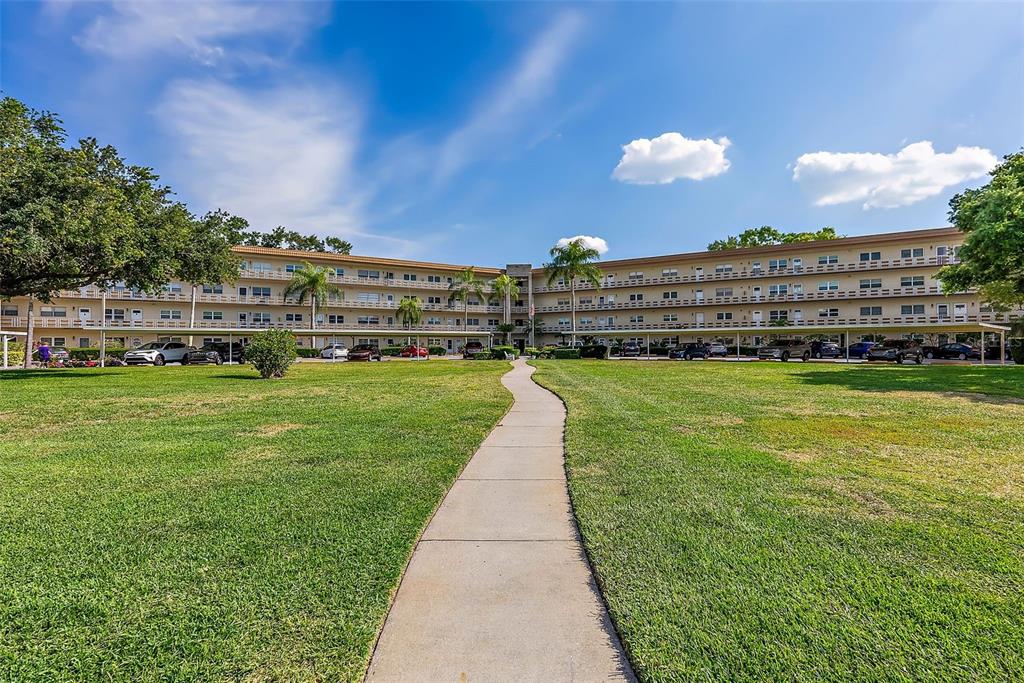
{"points": [[669, 272], [756, 265], [583, 321], [368, 297], [798, 263], [293, 317], [777, 263], [370, 274], [912, 309], [433, 300], [563, 321], [434, 278], [721, 268], [912, 281], [563, 302], [53, 311], [213, 289], [778, 315], [636, 318], [170, 314], [670, 295], [54, 341], [219, 315], [723, 315], [584, 301], [828, 260], [493, 322], [292, 267], [636, 275], [798, 289], [257, 318], [261, 267], [874, 283], [610, 320], [871, 310], [259, 291], [636, 297], [871, 256], [916, 252], [433, 320], [828, 312], [778, 289], [173, 288], [114, 314], [670, 318], [335, 319], [339, 272], [828, 286], [8, 309], [723, 291], [368, 320], [473, 321], [409, 277]]}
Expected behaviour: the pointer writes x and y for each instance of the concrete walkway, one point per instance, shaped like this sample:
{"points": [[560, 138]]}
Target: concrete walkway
{"points": [[498, 588]]}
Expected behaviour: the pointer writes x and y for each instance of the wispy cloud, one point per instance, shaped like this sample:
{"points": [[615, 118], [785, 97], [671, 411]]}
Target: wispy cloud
{"points": [[202, 30], [500, 112], [887, 181]]}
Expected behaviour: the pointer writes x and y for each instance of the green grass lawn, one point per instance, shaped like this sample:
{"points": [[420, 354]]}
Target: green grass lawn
{"points": [[187, 523], [803, 521]]}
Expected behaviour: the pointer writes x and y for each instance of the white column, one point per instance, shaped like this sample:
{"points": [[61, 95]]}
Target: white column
{"points": [[983, 347], [5, 351]]}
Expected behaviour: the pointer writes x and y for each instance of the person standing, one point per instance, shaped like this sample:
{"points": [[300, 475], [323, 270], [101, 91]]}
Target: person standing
{"points": [[44, 354]]}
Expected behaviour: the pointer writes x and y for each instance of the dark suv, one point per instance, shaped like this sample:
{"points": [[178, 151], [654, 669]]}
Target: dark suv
{"points": [[217, 353], [630, 349], [472, 349], [898, 350], [689, 351], [825, 349], [363, 352]]}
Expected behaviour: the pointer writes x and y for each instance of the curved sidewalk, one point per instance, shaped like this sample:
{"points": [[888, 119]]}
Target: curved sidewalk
{"points": [[498, 588]]}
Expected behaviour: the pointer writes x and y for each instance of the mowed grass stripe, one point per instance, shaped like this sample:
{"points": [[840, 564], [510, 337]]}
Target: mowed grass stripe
{"points": [[803, 521], [196, 524]]}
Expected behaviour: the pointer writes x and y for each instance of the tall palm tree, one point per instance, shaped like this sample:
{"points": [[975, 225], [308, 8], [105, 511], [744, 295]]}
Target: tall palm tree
{"points": [[410, 312], [463, 284], [311, 282], [506, 288], [569, 263]]}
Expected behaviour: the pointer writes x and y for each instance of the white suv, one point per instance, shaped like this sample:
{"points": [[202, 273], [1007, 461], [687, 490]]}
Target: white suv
{"points": [[335, 351], [159, 353]]}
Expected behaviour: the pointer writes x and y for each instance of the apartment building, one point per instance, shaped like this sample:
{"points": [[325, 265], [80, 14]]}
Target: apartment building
{"points": [[874, 284]]}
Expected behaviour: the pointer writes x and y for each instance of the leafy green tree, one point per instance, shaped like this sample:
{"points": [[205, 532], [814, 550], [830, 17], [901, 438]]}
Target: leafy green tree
{"points": [[271, 352], [80, 215], [992, 220], [313, 283], [462, 285], [575, 261], [338, 245], [506, 288], [283, 238], [410, 312], [767, 236]]}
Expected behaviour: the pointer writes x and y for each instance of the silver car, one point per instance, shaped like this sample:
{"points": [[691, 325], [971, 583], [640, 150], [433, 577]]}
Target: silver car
{"points": [[784, 349], [334, 352], [159, 353]]}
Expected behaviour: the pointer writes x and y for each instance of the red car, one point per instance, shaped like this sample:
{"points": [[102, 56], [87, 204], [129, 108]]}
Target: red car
{"points": [[413, 351]]}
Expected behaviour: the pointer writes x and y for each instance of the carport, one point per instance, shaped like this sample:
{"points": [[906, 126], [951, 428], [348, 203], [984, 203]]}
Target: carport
{"points": [[7, 338]]}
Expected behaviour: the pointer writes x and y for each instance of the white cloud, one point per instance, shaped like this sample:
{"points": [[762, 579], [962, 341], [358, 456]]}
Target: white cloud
{"points": [[203, 29], [500, 113], [886, 181], [669, 157], [588, 241]]}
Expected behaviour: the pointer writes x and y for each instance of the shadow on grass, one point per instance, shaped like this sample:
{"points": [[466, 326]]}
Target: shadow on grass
{"points": [[235, 377], [25, 375], [1002, 386]]}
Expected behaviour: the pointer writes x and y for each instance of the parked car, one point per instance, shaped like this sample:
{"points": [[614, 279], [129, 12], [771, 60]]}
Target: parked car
{"points": [[472, 349], [825, 349], [859, 349], [413, 351], [159, 353], [216, 353], [689, 351], [717, 349], [784, 349], [992, 352], [56, 353], [898, 350], [334, 351], [952, 351], [365, 352], [630, 349]]}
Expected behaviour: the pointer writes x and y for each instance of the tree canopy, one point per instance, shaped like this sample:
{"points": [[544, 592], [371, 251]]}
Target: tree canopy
{"points": [[283, 238], [767, 236], [77, 215], [992, 220]]}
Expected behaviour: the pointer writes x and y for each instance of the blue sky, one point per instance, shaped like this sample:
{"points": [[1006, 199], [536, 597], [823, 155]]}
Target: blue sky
{"points": [[483, 133]]}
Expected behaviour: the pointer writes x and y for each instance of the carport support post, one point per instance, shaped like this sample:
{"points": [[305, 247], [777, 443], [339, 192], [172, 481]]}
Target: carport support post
{"points": [[737, 346], [983, 347], [846, 337], [648, 347], [1002, 347], [103, 346], [5, 351], [230, 346]]}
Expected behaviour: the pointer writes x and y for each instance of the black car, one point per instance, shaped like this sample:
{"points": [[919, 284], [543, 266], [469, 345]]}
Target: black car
{"points": [[630, 349], [689, 351], [216, 353], [825, 349], [898, 350], [717, 349], [363, 352], [952, 351]]}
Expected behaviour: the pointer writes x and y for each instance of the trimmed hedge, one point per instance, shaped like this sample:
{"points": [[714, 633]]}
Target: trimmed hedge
{"points": [[594, 351], [498, 352], [303, 352], [1017, 351], [565, 354], [93, 353], [391, 351], [437, 350]]}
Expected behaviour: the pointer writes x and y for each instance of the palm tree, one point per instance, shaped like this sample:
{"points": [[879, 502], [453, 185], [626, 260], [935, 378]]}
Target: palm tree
{"points": [[311, 282], [463, 284], [506, 288], [410, 312], [569, 263]]}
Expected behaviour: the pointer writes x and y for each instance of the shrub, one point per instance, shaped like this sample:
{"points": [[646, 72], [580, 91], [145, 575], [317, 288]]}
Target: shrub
{"points": [[1017, 351], [437, 350], [93, 353], [532, 351], [565, 354], [303, 352], [594, 351], [498, 352], [391, 350], [15, 354], [271, 352]]}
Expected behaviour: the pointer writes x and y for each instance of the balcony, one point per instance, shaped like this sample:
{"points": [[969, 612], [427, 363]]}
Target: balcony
{"points": [[350, 280], [19, 322], [858, 266]]}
